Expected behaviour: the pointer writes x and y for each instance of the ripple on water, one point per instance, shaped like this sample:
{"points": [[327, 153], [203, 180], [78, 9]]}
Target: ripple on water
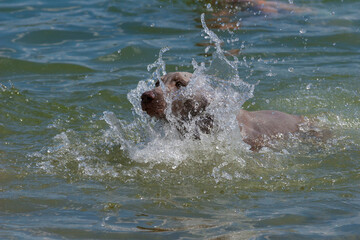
{"points": [[52, 37], [9, 66], [79, 159]]}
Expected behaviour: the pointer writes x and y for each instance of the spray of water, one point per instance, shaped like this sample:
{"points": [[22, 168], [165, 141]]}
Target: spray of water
{"points": [[154, 141], [146, 149]]}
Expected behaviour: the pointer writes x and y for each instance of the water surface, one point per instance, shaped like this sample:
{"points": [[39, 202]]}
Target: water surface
{"points": [[79, 159]]}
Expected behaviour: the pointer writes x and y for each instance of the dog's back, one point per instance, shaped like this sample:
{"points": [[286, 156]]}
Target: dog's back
{"points": [[258, 127]]}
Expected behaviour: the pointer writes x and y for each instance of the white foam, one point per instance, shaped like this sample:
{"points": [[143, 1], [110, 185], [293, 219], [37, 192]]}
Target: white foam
{"points": [[151, 141]]}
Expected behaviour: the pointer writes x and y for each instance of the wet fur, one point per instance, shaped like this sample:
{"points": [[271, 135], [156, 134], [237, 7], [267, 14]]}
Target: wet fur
{"points": [[256, 127]]}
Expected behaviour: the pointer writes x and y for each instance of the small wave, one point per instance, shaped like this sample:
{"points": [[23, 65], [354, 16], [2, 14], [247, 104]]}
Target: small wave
{"points": [[129, 54], [52, 37], [10, 66]]}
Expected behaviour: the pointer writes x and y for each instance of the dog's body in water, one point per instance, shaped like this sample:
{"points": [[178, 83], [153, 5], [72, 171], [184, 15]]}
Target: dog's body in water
{"points": [[257, 128]]}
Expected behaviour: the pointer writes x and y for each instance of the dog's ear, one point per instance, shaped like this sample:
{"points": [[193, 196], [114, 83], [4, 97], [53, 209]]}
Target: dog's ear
{"points": [[188, 107], [205, 123], [193, 109]]}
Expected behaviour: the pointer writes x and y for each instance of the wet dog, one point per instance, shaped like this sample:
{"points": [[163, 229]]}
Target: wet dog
{"points": [[185, 109], [256, 127]]}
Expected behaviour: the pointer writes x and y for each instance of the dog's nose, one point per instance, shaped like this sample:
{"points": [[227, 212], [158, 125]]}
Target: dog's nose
{"points": [[147, 97]]}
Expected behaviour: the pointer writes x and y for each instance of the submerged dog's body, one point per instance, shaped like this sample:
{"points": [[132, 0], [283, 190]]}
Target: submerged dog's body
{"points": [[256, 127], [259, 127]]}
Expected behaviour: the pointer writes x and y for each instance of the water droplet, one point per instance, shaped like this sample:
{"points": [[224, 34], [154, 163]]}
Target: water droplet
{"points": [[302, 31], [207, 49], [270, 74]]}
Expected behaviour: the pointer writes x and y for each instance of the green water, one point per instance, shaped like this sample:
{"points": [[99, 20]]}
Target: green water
{"points": [[77, 161]]}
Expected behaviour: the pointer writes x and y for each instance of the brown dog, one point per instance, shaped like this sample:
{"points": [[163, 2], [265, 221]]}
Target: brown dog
{"points": [[256, 127], [185, 109]]}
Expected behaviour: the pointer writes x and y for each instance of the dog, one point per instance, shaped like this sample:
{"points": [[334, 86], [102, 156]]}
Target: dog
{"points": [[258, 128], [185, 109]]}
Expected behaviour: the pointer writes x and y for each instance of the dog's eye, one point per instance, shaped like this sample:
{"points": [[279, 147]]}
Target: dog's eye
{"points": [[157, 83], [178, 84]]}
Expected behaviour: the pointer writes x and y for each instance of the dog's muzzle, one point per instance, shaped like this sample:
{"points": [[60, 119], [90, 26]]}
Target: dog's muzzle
{"points": [[147, 97]]}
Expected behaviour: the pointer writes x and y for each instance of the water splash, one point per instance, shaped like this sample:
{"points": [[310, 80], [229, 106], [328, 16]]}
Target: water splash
{"points": [[148, 140], [146, 149], [159, 64]]}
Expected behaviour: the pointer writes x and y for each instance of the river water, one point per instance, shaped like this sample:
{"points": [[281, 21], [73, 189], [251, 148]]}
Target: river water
{"points": [[80, 160]]}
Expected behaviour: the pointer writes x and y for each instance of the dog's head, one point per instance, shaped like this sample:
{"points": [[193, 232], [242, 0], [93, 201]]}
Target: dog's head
{"points": [[153, 102]]}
